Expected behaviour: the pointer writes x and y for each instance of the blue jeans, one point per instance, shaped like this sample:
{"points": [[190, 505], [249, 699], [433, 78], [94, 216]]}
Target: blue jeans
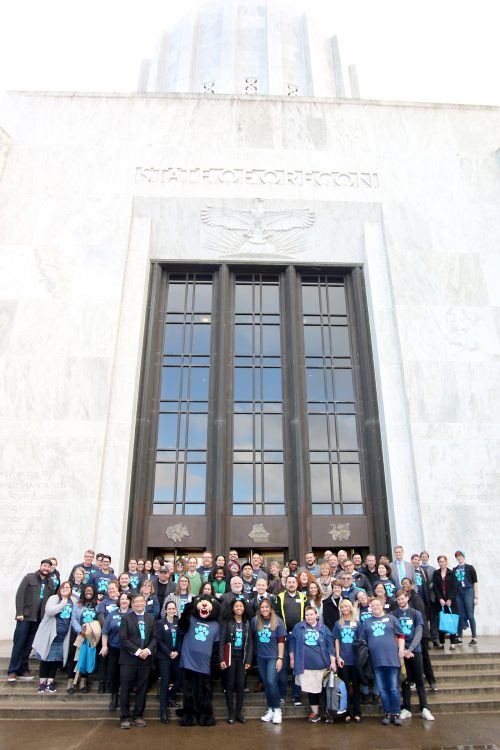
{"points": [[465, 602], [269, 676], [388, 686], [23, 639], [283, 675]]}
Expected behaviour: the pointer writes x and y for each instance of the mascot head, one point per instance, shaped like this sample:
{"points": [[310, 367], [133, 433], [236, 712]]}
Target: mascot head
{"points": [[206, 607]]}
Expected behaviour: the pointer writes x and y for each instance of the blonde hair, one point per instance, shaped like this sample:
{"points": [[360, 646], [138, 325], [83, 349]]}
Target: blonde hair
{"points": [[353, 615]]}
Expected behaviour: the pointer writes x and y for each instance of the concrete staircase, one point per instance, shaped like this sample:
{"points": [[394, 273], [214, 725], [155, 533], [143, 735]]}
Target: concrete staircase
{"points": [[467, 682]]}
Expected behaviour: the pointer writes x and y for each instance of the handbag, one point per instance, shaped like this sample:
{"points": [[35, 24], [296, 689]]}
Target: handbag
{"points": [[86, 660], [448, 622]]}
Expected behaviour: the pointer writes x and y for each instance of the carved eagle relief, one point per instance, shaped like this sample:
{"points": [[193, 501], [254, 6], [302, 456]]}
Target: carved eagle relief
{"points": [[256, 233]]}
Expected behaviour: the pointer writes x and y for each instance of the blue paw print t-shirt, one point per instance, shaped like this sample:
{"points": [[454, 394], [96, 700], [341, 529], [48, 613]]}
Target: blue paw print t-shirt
{"points": [[346, 635], [381, 635], [313, 654], [197, 645], [266, 640]]}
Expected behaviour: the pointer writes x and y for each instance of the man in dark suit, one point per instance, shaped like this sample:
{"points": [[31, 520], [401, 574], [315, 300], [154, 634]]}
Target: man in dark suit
{"points": [[428, 570], [138, 644]]}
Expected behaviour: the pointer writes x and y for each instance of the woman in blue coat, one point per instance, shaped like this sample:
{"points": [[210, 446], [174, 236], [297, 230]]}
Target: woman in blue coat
{"points": [[311, 652]]}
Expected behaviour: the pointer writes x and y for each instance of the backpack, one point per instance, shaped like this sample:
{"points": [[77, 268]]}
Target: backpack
{"points": [[335, 693]]}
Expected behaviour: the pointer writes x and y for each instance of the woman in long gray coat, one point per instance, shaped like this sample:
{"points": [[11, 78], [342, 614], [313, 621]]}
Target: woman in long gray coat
{"points": [[51, 643]]}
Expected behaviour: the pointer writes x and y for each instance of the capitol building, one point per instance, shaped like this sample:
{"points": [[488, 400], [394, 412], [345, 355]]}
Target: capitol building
{"points": [[244, 307]]}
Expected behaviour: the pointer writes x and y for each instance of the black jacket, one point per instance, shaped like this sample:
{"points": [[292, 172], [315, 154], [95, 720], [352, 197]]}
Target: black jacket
{"points": [[226, 604], [362, 582], [228, 634], [164, 644], [255, 602], [451, 589], [331, 612], [426, 585], [28, 596], [416, 601], [372, 575], [130, 638]]}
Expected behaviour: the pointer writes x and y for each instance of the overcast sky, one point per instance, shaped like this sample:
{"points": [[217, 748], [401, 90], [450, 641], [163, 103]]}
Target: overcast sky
{"points": [[440, 50]]}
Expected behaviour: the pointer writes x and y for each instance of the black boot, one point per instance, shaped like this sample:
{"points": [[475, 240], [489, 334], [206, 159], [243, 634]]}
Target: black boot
{"points": [[100, 689], [107, 687], [113, 703], [164, 718]]}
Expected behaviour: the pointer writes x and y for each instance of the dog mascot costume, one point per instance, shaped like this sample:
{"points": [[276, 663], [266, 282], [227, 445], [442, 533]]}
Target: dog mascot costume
{"points": [[199, 624]]}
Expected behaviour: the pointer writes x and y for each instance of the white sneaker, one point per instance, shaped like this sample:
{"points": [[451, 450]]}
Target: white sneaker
{"points": [[268, 716], [405, 714], [426, 714], [277, 716]]}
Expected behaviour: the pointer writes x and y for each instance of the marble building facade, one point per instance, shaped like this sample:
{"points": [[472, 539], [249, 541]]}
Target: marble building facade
{"points": [[96, 189]]}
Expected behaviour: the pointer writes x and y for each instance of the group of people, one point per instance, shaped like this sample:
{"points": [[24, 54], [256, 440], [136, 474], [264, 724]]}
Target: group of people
{"points": [[370, 622]]}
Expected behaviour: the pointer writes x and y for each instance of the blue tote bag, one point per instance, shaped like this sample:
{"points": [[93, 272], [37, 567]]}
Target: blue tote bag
{"points": [[448, 622]]}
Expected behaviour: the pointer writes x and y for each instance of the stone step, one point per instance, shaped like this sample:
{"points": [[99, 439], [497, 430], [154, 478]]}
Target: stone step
{"points": [[28, 693], [48, 707]]}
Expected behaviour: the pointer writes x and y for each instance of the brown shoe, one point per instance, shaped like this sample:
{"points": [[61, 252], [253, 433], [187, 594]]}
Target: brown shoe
{"points": [[11, 677], [259, 687], [139, 723]]}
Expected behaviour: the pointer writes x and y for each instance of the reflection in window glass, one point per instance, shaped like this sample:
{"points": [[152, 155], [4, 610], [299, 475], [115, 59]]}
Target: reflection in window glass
{"points": [[170, 384], [274, 487], [198, 389], [173, 338], [340, 338], [320, 483], [203, 298], [272, 384], [351, 483], [242, 483], [180, 488], [167, 431], [260, 481], [195, 482], [197, 431], [318, 434], [315, 384], [176, 296], [347, 431], [243, 294], [243, 383], [164, 483], [330, 398], [313, 344], [243, 339], [243, 432], [343, 385]]}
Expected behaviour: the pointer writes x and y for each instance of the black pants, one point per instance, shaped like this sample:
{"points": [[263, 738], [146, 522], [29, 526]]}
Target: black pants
{"points": [[314, 698], [134, 675], [350, 675], [169, 672], [114, 668], [102, 665], [235, 683], [48, 669], [428, 670], [414, 673], [70, 664], [430, 610]]}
